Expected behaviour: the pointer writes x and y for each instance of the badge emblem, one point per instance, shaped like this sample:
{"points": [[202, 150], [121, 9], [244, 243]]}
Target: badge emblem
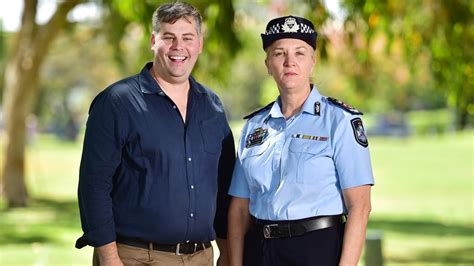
{"points": [[317, 108], [359, 132], [290, 25], [257, 137]]}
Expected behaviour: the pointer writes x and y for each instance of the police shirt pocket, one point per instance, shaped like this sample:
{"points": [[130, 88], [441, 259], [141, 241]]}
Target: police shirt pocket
{"points": [[254, 150], [308, 146], [311, 159], [257, 171], [212, 135]]}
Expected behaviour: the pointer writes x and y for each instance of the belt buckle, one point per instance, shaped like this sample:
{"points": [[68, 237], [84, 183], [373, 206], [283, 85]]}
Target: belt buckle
{"points": [[177, 250], [267, 230]]}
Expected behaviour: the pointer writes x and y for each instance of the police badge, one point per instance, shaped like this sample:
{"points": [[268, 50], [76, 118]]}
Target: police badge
{"points": [[257, 137], [359, 132], [290, 25]]}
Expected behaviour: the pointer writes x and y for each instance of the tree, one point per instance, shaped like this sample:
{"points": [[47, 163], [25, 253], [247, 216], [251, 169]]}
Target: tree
{"points": [[21, 79], [439, 32]]}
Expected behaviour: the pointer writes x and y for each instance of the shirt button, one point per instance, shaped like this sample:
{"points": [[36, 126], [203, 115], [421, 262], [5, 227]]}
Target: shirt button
{"points": [[174, 106], [192, 214], [187, 241], [189, 159], [192, 187]]}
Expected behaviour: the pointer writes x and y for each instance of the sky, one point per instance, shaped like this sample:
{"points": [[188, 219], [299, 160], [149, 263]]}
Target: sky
{"points": [[10, 12]]}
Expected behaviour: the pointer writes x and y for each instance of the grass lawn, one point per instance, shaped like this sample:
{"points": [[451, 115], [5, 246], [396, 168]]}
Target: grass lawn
{"points": [[422, 203]]}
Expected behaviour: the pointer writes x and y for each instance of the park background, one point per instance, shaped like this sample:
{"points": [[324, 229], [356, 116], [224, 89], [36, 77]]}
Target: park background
{"points": [[408, 65]]}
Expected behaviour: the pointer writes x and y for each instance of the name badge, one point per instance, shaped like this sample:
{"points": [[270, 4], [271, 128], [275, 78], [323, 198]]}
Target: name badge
{"points": [[257, 137]]}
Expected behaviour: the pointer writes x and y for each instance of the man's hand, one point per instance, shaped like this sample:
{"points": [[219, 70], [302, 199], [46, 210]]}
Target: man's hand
{"points": [[108, 255]]}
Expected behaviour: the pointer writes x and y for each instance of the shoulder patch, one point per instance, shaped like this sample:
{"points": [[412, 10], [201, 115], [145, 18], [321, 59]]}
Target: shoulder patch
{"points": [[258, 111], [359, 132], [345, 106]]}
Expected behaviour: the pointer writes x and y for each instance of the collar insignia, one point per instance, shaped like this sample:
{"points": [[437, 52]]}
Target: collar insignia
{"points": [[317, 108]]}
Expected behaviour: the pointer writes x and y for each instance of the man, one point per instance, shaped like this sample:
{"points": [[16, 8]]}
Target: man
{"points": [[158, 157]]}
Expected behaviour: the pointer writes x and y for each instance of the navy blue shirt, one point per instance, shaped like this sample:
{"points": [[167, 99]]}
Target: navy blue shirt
{"points": [[145, 173]]}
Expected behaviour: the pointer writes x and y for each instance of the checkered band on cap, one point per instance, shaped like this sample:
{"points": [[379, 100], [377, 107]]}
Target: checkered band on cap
{"points": [[289, 27]]}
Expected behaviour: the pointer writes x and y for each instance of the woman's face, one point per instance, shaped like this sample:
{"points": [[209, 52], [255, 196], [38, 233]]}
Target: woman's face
{"points": [[290, 62]]}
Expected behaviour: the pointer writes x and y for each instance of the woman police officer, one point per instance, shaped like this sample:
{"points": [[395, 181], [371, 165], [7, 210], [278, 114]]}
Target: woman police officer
{"points": [[303, 165]]}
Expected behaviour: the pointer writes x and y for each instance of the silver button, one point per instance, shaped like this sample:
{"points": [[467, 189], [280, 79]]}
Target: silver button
{"points": [[192, 187], [174, 106], [192, 215], [189, 159]]}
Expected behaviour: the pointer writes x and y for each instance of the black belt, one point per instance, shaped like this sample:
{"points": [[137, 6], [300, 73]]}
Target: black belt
{"points": [[178, 249], [277, 229]]}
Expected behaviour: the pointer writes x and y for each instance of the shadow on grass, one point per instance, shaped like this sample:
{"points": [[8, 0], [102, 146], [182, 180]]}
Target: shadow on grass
{"points": [[57, 222], [426, 228], [416, 227], [43, 221], [459, 256], [413, 229]]}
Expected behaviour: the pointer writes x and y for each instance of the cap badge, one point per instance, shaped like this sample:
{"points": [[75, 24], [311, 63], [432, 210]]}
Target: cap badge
{"points": [[290, 25]]}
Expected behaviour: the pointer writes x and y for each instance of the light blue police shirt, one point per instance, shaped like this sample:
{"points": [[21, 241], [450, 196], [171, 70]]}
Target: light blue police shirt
{"points": [[297, 168]]}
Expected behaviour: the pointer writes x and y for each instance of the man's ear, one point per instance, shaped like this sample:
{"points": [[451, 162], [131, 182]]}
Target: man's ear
{"points": [[152, 41], [201, 43]]}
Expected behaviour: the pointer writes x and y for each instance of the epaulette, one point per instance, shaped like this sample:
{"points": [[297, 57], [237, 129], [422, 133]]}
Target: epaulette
{"points": [[344, 106], [259, 110]]}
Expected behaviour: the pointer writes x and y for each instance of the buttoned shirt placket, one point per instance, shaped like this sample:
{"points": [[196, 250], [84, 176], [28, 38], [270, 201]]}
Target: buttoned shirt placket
{"points": [[189, 166]]}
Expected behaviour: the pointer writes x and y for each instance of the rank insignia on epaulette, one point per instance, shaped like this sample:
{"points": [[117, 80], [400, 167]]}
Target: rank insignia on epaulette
{"points": [[345, 106], [257, 137], [359, 132]]}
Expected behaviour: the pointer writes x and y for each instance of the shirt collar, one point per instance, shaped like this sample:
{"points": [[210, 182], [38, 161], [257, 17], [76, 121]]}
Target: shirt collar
{"points": [[148, 84], [314, 96], [275, 111], [308, 106]]}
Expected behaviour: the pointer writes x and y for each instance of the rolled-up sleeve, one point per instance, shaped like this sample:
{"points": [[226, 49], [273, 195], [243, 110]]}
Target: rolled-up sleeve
{"points": [[100, 158]]}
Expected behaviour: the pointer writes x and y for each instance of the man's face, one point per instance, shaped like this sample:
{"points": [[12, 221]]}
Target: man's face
{"points": [[176, 49], [290, 62]]}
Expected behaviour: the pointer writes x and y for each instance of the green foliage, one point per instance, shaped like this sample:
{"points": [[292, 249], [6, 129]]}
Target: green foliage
{"points": [[2, 56], [221, 41], [72, 75], [435, 35], [431, 121]]}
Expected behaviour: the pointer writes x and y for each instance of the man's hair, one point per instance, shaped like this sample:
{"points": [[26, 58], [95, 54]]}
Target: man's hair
{"points": [[171, 12]]}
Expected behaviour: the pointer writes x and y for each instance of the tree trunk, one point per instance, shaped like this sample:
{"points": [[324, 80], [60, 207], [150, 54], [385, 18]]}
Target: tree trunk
{"points": [[20, 81], [21, 86]]}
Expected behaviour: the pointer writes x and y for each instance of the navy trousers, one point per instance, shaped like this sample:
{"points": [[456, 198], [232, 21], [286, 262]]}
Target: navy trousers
{"points": [[320, 247]]}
